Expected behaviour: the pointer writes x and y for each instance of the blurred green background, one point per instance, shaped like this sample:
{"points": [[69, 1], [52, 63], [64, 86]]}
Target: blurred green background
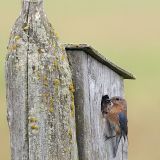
{"points": [[128, 33]]}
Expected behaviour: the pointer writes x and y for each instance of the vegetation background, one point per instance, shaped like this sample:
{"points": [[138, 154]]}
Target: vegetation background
{"points": [[126, 32]]}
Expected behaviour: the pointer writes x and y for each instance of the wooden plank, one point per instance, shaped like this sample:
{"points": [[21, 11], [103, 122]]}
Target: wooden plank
{"points": [[78, 61], [92, 80], [16, 82], [41, 111]]}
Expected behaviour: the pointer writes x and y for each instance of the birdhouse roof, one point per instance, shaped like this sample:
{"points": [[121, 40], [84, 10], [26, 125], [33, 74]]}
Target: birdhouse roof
{"points": [[95, 54]]}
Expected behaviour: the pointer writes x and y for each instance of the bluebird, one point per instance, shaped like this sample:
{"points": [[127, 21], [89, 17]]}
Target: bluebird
{"points": [[116, 115]]}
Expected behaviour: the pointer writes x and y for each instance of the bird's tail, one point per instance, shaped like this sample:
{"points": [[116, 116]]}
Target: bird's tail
{"points": [[115, 148], [118, 139]]}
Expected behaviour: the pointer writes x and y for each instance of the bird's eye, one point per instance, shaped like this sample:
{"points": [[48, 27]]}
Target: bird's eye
{"points": [[117, 99]]}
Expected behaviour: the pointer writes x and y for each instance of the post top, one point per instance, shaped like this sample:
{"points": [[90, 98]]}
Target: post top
{"points": [[28, 3]]}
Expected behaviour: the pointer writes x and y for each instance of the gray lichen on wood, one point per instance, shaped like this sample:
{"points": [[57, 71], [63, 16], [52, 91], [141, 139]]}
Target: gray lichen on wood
{"points": [[41, 113]]}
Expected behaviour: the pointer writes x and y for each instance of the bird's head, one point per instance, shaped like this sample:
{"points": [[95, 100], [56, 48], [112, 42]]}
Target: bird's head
{"points": [[118, 101]]}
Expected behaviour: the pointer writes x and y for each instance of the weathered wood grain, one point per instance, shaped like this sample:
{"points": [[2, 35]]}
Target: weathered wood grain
{"points": [[41, 113], [92, 79], [78, 62]]}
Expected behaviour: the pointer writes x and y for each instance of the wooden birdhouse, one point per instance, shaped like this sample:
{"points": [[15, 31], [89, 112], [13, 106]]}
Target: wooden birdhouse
{"points": [[95, 76]]}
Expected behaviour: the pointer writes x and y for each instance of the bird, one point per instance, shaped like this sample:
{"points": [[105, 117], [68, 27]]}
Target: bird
{"points": [[115, 111]]}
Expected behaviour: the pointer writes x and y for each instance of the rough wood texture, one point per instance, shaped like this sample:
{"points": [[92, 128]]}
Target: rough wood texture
{"points": [[41, 113], [92, 79]]}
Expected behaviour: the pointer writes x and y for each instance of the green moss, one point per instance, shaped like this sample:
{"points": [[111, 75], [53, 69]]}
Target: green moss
{"points": [[56, 82], [72, 109], [70, 133], [54, 45], [45, 81], [32, 119], [55, 64], [51, 109], [51, 101], [14, 47], [38, 75], [72, 97], [17, 38], [63, 57], [34, 127], [25, 27], [71, 88], [65, 150]]}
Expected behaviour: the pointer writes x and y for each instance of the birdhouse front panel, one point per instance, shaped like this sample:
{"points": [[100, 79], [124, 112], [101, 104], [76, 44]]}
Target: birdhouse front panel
{"points": [[92, 80]]}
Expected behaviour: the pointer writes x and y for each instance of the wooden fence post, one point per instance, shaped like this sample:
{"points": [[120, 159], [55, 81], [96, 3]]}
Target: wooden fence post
{"points": [[40, 98]]}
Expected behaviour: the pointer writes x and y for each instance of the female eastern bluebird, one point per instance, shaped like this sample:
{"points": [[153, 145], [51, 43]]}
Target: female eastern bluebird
{"points": [[115, 111]]}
